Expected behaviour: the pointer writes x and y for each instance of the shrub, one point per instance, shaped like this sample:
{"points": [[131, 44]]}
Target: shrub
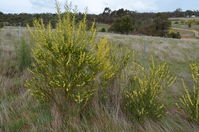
{"points": [[1, 24], [189, 25], [197, 22], [68, 62], [190, 22], [23, 55], [189, 102], [103, 30], [143, 98], [176, 22], [183, 21], [173, 34]]}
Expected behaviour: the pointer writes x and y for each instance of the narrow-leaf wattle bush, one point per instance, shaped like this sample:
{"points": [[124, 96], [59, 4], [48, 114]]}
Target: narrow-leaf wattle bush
{"points": [[24, 58], [143, 98], [67, 61], [189, 102]]}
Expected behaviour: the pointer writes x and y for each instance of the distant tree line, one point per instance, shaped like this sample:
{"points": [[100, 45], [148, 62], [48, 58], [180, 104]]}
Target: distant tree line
{"points": [[121, 21], [24, 19]]}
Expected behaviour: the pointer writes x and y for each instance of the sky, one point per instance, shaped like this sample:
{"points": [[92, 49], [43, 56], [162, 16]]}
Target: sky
{"points": [[97, 6]]}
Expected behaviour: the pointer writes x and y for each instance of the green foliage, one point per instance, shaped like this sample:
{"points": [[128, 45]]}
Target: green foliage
{"points": [[143, 98], [24, 58], [197, 22], [158, 27], [173, 34], [182, 21], [68, 62], [17, 126], [1, 24], [189, 25], [176, 22], [190, 22], [189, 102], [103, 30], [161, 24], [122, 25]]}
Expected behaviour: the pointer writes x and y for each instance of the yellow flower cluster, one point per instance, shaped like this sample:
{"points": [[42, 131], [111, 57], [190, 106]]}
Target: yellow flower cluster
{"points": [[143, 99], [67, 60]]}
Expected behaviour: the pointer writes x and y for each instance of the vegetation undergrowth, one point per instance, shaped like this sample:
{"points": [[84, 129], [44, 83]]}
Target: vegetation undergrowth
{"points": [[189, 102], [23, 54], [144, 97]]}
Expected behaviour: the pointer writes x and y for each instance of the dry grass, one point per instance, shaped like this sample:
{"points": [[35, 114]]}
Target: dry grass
{"points": [[20, 112]]}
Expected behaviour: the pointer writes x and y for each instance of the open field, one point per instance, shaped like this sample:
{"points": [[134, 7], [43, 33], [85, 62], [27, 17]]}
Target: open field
{"points": [[178, 53], [185, 31], [185, 26], [19, 112], [183, 18]]}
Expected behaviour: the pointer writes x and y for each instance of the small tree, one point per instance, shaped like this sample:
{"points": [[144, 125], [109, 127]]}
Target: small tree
{"points": [[107, 11], [123, 25], [161, 24]]}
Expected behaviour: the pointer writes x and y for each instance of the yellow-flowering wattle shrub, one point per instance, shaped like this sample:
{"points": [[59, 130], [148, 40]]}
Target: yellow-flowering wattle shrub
{"points": [[189, 102], [143, 98], [68, 61]]}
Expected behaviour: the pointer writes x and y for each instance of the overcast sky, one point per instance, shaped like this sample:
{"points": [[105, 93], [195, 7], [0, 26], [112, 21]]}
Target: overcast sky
{"points": [[97, 6]]}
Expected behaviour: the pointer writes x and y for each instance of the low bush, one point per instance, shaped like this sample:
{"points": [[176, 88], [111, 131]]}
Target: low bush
{"points": [[143, 99], [173, 34], [1, 24], [24, 58], [190, 22], [183, 21], [176, 22], [197, 22], [189, 102], [103, 30]]}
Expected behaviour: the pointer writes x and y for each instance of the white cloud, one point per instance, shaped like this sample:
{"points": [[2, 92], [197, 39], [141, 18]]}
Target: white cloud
{"points": [[140, 5], [97, 6], [94, 6], [43, 5], [15, 6]]}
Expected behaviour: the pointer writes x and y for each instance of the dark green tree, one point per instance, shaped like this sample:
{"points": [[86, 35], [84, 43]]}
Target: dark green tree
{"points": [[159, 27], [123, 25], [103, 30], [107, 11], [161, 22]]}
